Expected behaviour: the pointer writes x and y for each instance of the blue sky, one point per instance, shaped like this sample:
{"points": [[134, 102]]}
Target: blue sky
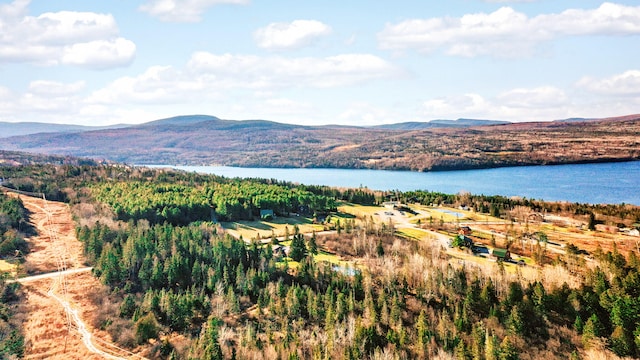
{"points": [[356, 62]]}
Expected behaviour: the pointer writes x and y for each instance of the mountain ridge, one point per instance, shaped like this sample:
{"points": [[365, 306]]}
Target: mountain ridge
{"points": [[202, 140]]}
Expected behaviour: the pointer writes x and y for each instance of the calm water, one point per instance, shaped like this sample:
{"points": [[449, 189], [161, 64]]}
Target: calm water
{"points": [[585, 183]]}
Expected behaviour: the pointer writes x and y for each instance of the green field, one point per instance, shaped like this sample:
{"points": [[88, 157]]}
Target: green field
{"points": [[413, 234], [265, 229]]}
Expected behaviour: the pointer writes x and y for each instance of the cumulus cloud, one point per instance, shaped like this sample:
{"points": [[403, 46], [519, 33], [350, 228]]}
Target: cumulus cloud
{"points": [[296, 34], [507, 32], [625, 84], [55, 88], [276, 72], [183, 10], [208, 74], [540, 97], [473, 105], [365, 113], [66, 37], [521, 104]]}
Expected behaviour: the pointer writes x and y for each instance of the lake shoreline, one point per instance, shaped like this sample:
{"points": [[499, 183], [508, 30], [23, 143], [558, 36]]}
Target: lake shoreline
{"points": [[593, 183]]}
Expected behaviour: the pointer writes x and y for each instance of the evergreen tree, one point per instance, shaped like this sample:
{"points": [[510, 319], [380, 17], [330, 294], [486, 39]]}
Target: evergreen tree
{"points": [[380, 249], [298, 248], [592, 329], [146, 328], [507, 350], [621, 343], [313, 246]]}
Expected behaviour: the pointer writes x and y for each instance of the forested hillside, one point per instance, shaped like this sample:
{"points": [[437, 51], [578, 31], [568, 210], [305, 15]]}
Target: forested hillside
{"points": [[182, 288], [13, 222], [268, 144]]}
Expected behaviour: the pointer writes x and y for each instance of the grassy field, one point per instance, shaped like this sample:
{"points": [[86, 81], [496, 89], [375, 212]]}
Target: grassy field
{"points": [[359, 210], [6, 266], [413, 234], [265, 229]]}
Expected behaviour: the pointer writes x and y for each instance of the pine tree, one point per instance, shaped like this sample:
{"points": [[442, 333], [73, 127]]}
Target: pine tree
{"points": [[592, 329], [507, 350], [491, 348], [298, 248], [621, 344], [313, 246]]}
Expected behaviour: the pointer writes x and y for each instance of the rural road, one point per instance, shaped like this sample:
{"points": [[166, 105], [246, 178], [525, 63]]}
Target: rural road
{"points": [[50, 275]]}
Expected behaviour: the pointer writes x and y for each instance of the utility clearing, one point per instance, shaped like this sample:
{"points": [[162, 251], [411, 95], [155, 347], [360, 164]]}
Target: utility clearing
{"points": [[57, 310]]}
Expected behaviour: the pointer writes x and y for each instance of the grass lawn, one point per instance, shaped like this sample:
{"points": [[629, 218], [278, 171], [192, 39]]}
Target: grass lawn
{"points": [[359, 210], [413, 234], [486, 261], [321, 257], [263, 229]]}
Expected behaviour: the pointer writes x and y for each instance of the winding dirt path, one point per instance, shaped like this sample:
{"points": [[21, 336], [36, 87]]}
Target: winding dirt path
{"points": [[57, 307]]}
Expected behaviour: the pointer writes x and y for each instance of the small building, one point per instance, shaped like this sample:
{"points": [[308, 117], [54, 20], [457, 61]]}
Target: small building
{"points": [[391, 204], [464, 230], [461, 241], [634, 232], [266, 214], [280, 251], [501, 254]]}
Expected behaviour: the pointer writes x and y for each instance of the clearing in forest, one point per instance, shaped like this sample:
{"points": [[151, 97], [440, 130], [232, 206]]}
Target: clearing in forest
{"points": [[45, 324]]}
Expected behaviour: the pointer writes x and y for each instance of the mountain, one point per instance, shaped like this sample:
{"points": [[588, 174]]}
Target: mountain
{"points": [[26, 128], [206, 140], [182, 120], [416, 125]]}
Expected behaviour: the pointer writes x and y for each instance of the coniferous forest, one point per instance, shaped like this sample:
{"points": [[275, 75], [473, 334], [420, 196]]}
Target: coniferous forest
{"points": [[185, 289]]}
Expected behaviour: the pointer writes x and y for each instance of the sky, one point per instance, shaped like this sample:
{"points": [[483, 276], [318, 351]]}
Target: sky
{"points": [[311, 62]]}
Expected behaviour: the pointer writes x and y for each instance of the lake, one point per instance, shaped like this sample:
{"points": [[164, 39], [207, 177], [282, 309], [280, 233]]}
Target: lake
{"points": [[611, 183]]}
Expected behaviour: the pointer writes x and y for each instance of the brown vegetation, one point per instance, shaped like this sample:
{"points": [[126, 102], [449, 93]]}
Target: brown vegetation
{"points": [[46, 326], [278, 145]]}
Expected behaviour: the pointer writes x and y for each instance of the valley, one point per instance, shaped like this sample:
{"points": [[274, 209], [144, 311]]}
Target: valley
{"points": [[187, 265]]}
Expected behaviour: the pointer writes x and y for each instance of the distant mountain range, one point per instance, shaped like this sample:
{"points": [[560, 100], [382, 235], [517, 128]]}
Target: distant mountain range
{"points": [[27, 128], [435, 145], [9, 129], [415, 125]]}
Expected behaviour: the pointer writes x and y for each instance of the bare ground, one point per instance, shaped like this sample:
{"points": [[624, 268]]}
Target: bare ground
{"points": [[46, 327], [44, 248]]}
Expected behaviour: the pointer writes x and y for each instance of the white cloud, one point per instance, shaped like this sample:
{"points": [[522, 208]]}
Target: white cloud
{"points": [[467, 105], [183, 10], [296, 34], [208, 75], [279, 107], [66, 37], [540, 97], [248, 71], [625, 84], [157, 85], [506, 32], [54, 88], [100, 54], [365, 114]]}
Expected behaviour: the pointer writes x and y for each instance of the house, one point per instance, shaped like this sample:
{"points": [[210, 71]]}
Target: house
{"points": [[391, 204], [634, 232], [280, 251], [461, 241], [464, 230], [501, 254]]}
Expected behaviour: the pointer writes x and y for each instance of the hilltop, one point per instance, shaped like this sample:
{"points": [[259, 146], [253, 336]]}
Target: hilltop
{"points": [[466, 144]]}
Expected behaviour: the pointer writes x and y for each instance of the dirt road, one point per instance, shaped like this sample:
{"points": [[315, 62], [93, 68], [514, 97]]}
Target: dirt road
{"points": [[50, 332]]}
